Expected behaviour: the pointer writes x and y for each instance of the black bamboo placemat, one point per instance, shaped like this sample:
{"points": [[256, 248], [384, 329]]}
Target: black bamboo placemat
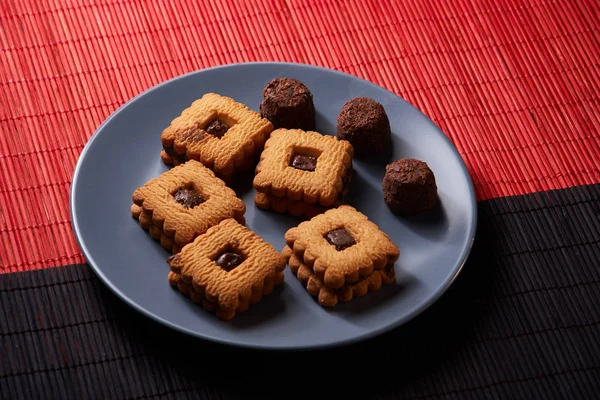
{"points": [[522, 321]]}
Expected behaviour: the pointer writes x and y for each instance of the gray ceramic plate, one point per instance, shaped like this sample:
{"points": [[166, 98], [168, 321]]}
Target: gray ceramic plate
{"points": [[124, 153]]}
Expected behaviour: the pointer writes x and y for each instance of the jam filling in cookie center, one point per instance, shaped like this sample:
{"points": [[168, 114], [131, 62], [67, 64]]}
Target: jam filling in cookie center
{"points": [[228, 260], [304, 163], [189, 198], [340, 238], [217, 128]]}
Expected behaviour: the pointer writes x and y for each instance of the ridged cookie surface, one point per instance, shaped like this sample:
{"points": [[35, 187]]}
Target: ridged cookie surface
{"points": [[371, 248], [187, 136], [229, 290], [181, 223], [277, 177]]}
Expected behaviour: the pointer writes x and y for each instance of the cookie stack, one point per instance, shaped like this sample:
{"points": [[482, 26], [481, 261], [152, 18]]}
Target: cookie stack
{"points": [[183, 203], [216, 260], [303, 173], [227, 269], [224, 135], [340, 254]]}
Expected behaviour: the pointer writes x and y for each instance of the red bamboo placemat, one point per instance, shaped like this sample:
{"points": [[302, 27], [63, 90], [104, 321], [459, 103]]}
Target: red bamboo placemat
{"points": [[514, 84]]}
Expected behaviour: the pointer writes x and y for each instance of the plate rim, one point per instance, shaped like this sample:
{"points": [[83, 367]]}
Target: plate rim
{"points": [[464, 255]]}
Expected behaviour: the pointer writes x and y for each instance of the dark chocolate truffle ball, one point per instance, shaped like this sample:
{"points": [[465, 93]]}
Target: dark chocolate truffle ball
{"points": [[364, 123], [288, 103], [409, 187]]}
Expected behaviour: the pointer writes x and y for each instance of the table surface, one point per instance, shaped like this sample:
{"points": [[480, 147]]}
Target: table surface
{"points": [[513, 84]]}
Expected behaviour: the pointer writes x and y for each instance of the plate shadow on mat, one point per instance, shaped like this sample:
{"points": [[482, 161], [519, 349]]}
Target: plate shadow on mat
{"points": [[422, 344]]}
